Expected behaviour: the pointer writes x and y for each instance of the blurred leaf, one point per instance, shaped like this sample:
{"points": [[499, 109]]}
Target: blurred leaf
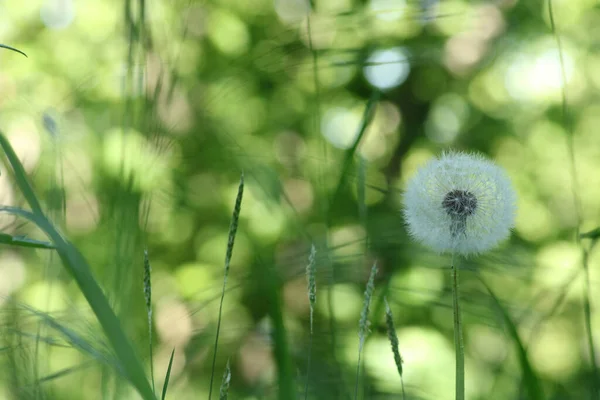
{"points": [[593, 234], [349, 156], [530, 378]]}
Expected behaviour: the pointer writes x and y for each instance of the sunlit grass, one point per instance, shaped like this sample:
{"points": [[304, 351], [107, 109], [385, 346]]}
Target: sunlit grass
{"points": [[152, 161]]}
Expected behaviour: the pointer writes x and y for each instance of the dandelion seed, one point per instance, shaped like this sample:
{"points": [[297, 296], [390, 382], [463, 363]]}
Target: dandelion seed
{"points": [[460, 203]]}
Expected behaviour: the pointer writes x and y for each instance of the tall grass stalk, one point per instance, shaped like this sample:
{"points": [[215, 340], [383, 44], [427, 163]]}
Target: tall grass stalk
{"points": [[363, 325], [458, 336], [391, 331], [148, 301], [224, 389], [228, 253], [312, 299]]}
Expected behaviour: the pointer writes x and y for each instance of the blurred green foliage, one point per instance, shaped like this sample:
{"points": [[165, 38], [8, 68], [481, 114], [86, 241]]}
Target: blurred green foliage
{"points": [[135, 120]]}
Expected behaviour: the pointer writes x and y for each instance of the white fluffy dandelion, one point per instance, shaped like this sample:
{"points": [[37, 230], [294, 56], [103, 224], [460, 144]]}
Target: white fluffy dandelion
{"points": [[460, 203]]}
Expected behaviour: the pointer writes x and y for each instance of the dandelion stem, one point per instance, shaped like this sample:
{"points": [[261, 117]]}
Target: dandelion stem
{"points": [[458, 338]]}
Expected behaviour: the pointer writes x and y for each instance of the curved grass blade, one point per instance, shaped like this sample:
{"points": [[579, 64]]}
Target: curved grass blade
{"points": [[531, 380], [13, 49], [66, 371], [81, 272], [167, 376]]}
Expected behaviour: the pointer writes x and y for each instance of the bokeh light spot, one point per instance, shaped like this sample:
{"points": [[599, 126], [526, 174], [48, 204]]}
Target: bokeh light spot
{"points": [[387, 69], [57, 14]]}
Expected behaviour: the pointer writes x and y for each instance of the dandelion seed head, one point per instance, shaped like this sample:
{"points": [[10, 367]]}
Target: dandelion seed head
{"points": [[460, 203]]}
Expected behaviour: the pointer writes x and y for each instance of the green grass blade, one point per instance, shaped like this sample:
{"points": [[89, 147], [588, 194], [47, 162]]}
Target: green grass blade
{"points": [[66, 371], [79, 269], [167, 376], [530, 378]]}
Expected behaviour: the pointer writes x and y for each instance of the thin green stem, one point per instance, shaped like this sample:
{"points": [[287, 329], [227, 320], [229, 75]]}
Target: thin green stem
{"points": [[458, 338], [587, 312], [357, 376], [310, 344], [403, 392]]}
